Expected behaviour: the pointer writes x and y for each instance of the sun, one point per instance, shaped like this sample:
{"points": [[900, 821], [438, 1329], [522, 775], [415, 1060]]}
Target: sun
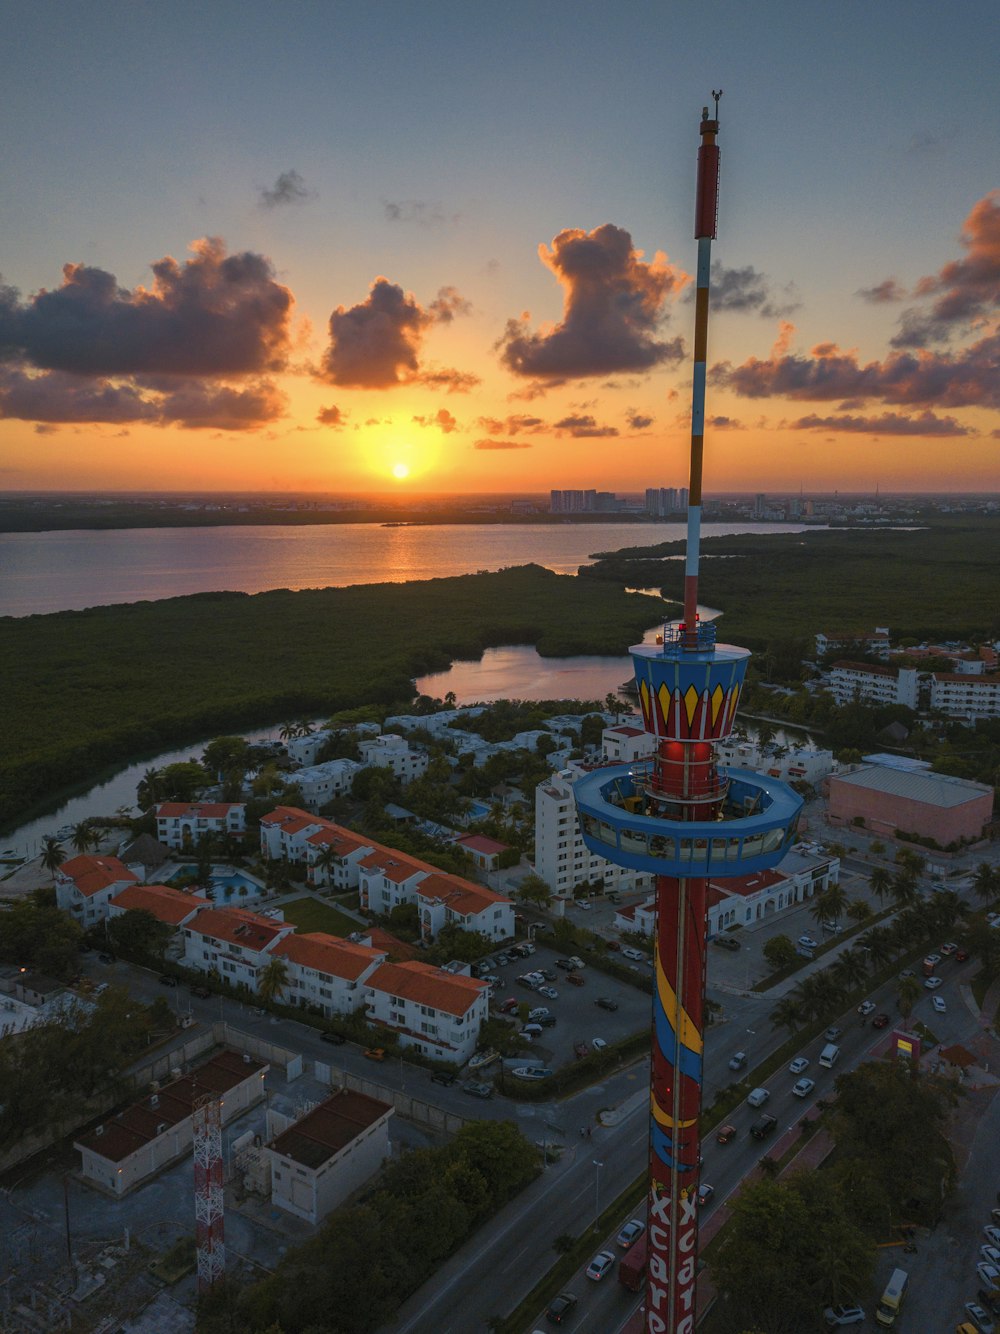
{"points": [[400, 471]]}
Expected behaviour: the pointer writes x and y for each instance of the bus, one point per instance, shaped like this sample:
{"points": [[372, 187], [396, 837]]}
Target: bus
{"points": [[891, 1301]]}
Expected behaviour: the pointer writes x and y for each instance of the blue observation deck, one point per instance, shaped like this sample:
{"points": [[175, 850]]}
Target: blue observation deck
{"points": [[752, 832]]}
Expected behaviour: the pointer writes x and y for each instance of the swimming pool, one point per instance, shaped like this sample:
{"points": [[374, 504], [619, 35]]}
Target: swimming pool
{"points": [[226, 883]]}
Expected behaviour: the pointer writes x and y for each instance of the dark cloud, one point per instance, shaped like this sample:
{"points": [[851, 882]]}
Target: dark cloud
{"points": [[724, 423], [890, 423], [55, 396], [883, 292], [747, 290], [212, 315], [637, 421], [613, 305], [581, 427], [944, 380], [512, 425], [447, 304], [450, 380], [442, 419], [375, 345], [417, 212], [331, 416], [502, 444], [289, 188], [966, 290]]}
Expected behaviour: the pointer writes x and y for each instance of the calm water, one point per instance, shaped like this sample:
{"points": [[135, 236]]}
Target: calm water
{"points": [[67, 571]]}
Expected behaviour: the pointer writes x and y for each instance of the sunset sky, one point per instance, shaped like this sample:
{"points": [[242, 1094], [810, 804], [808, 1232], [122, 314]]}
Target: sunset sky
{"points": [[325, 246]]}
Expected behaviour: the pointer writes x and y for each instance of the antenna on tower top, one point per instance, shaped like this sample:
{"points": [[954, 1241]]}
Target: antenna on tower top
{"points": [[716, 95]]}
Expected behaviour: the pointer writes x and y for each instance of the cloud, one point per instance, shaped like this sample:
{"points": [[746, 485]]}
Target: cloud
{"points": [[215, 314], [636, 420], [450, 380], [331, 416], [967, 290], [375, 345], [890, 423], [746, 290], [442, 418], [725, 423], [502, 444], [418, 212], [582, 426], [512, 425], [289, 188], [447, 304], [944, 380], [883, 292], [56, 396], [613, 305]]}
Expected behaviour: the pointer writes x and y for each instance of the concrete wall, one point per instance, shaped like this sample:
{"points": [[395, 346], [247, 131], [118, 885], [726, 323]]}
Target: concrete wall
{"points": [[413, 1108]]}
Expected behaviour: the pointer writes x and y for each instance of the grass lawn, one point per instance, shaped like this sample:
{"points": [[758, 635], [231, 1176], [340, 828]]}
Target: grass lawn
{"points": [[311, 915]]}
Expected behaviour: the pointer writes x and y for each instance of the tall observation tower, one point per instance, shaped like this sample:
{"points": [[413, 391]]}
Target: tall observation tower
{"points": [[684, 819]]}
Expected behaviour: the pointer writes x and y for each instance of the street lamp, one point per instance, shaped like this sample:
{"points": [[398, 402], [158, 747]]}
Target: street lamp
{"points": [[751, 1033], [597, 1191]]}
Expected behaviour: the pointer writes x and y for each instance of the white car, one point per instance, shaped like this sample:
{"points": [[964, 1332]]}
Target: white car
{"points": [[932, 983], [629, 952], [584, 905], [866, 1008], [939, 1005], [979, 1317], [549, 993], [989, 1277], [630, 1233], [992, 1234], [803, 1087], [990, 1255], [808, 943], [599, 1266], [598, 1044], [836, 1316], [798, 1065], [757, 1098]]}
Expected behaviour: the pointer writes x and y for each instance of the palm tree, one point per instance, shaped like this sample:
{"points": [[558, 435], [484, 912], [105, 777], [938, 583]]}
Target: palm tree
{"points": [[303, 728], [272, 979], [878, 942], [834, 901], [907, 995], [53, 854], [324, 859], [85, 836], [858, 910], [880, 882], [903, 888], [913, 862], [851, 968], [150, 789], [287, 731], [986, 882], [788, 1013]]}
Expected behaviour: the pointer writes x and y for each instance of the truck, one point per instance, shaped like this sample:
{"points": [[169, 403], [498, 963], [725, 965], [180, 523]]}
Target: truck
{"points": [[891, 1301], [632, 1266], [829, 1055]]}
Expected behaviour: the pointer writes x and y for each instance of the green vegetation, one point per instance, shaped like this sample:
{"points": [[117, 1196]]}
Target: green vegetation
{"points": [[367, 1259], [84, 690], [311, 915], [35, 934]]}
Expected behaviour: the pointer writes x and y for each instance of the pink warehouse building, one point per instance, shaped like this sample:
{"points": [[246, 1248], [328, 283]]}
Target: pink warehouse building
{"points": [[935, 805]]}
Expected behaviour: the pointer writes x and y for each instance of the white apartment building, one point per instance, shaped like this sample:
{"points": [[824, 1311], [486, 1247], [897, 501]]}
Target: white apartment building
{"points": [[436, 1013], [85, 885], [805, 764], [448, 900], [304, 749], [391, 751], [326, 971], [180, 824], [561, 858], [234, 943], [320, 783], [879, 685], [875, 642], [965, 696], [321, 1159], [624, 743], [334, 856], [285, 831]]}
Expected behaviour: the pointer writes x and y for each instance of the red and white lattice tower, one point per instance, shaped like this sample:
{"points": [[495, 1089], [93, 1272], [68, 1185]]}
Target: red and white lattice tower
{"points": [[209, 1203]]}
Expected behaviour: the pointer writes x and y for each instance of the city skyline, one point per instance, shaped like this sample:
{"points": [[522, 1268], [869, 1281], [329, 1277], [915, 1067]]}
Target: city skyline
{"points": [[454, 254]]}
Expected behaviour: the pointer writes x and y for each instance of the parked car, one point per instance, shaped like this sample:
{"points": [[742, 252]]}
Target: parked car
{"points": [[990, 1255], [939, 1005], [577, 979], [831, 1034], [949, 947], [725, 1134], [539, 1012], [506, 1006], [932, 983], [598, 1044], [549, 993], [444, 1077], [705, 1192], [375, 1053], [866, 1008], [202, 993], [335, 1039], [584, 904], [614, 946], [979, 1317], [726, 942], [560, 1307], [630, 1233], [606, 1003], [808, 943], [798, 1065], [803, 1087], [989, 1277], [630, 952], [477, 1089], [106, 957], [599, 1266], [961, 956], [843, 1315], [992, 1234], [565, 965], [738, 1060], [880, 1021], [166, 980], [758, 1098], [547, 973], [547, 1021]]}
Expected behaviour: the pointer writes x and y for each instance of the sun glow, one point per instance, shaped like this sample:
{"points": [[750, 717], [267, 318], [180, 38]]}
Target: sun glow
{"points": [[400, 471]]}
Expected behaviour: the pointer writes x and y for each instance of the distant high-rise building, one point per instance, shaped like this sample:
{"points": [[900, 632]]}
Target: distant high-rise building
{"points": [[572, 502], [664, 500], [759, 505]]}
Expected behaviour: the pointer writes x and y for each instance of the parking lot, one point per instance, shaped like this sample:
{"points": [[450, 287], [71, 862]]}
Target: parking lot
{"points": [[578, 1017]]}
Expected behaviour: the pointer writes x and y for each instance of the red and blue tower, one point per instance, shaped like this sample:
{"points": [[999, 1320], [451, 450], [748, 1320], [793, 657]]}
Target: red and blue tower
{"points": [[685, 819]]}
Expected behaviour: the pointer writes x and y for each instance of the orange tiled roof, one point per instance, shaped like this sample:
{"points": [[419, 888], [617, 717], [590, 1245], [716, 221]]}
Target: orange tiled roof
{"points": [[427, 985], [236, 926], [332, 836], [461, 896], [745, 885], [328, 954], [165, 903], [392, 865], [283, 814], [92, 874], [386, 943], [480, 843]]}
